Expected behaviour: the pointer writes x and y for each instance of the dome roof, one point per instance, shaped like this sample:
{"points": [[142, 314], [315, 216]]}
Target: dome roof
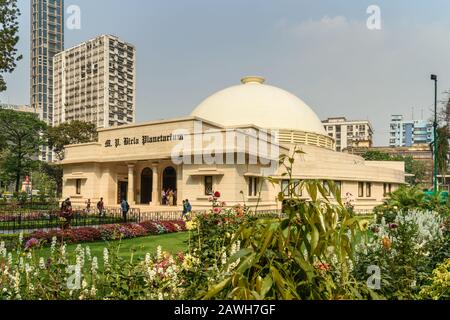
{"points": [[254, 102]]}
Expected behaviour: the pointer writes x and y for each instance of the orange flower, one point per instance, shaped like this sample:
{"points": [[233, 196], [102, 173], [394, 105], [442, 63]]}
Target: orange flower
{"points": [[387, 243]]}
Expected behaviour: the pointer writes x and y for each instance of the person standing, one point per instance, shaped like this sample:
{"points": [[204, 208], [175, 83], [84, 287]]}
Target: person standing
{"points": [[88, 206], [184, 210], [125, 208], [171, 194], [163, 197], [100, 207], [187, 208]]}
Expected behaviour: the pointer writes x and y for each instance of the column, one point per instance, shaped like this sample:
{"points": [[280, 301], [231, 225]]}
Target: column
{"points": [[155, 191], [131, 197]]}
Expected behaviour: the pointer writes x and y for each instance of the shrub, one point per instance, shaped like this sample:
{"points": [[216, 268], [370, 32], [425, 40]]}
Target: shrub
{"points": [[439, 287], [405, 250], [109, 232]]}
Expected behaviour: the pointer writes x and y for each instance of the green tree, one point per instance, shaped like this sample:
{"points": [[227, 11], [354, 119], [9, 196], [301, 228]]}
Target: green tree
{"points": [[21, 133], [376, 156], [9, 28], [443, 149], [68, 133], [414, 167], [55, 173]]}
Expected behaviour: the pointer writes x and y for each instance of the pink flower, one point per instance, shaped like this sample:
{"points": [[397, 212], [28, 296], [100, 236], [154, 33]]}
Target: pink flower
{"points": [[31, 243], [217, 210], [393, 226]]}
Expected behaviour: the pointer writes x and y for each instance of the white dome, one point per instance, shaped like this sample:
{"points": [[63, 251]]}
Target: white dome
{"points": [[262, 105]]}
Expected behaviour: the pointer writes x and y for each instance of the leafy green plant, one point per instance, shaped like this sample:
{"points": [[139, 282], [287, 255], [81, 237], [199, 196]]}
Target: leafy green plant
{"points": [[405, 251], [306, 255], [439, 287]]}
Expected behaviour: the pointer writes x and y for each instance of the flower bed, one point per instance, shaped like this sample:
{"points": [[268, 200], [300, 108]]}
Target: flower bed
{"points": [[109, 232]]}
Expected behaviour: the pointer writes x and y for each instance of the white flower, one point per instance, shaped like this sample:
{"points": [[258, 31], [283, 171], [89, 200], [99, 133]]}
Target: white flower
{"points": [[159, 253], [3, 250], [93, 291], [94, 266], [88, 254], [106, 257], [20, 238], [53, 246], [42, 263], [224, 258], [147, 258]]}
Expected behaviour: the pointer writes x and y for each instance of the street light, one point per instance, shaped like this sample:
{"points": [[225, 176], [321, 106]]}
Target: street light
{"points": [[435, 126]]}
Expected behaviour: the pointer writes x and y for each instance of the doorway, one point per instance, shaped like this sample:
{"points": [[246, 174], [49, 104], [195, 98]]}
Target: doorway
{"points": [[146, 186], [170, 181], [122, 191]]}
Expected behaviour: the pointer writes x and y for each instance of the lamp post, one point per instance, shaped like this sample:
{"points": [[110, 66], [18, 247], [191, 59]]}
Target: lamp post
{"points": [[435, 127]]}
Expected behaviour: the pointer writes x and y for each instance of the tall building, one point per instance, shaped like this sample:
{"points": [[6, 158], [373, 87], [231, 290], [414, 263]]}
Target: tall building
{"points": [[349, 133], [47, 39], [95, 82], [406, 133]]}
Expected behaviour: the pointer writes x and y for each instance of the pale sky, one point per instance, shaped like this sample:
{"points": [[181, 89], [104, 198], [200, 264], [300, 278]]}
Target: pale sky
{"points": [[320, 50]]}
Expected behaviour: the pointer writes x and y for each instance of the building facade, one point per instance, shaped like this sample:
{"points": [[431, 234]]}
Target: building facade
{"points": [[406, 133], [230, 143], [95, 82], [349, 133], [47, 39]]}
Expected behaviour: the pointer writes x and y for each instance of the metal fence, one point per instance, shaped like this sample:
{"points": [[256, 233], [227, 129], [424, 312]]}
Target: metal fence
{"points": [[28, 222], [18, 220]]}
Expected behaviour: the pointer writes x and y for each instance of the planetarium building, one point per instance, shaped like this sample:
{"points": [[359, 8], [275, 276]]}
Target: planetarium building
{"points": [[231, 143]]}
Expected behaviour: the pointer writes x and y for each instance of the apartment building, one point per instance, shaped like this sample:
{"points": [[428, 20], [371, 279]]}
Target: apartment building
{"points": [[96, 82], [349, 133], [406, 133]]}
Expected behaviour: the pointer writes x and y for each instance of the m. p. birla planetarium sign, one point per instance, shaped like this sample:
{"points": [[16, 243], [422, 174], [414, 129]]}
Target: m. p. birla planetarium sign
{"points": [[144, 140]]}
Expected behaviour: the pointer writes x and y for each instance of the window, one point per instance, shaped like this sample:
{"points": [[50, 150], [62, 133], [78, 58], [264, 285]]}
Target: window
{"points": [[360, 189], [253, 183], [368, 190], [387, 189], [208, 185], [78, 186], [292, 189], [285, 187]]}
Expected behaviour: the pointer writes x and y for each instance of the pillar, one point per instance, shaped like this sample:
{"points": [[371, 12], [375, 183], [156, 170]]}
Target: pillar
{"points": [[131, 197], [155, 191]]}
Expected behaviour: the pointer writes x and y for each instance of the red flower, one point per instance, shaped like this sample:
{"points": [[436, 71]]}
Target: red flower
{"points": [[217, 194]]}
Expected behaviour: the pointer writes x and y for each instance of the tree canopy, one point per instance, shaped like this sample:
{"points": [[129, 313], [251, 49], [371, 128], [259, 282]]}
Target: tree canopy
{"points": [[415, 167], [9, 28], [68, 133], [21, 134]]}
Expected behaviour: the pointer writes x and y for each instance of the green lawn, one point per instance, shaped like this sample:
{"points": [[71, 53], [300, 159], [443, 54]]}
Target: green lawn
{"points": [[173, 243]]}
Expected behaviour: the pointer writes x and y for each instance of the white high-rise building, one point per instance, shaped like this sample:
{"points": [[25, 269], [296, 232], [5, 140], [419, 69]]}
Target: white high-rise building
{"points": [[96, 82], [349, 133]]}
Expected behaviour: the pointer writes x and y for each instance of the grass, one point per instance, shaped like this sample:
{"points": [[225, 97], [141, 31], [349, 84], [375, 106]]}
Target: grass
{"points": [[173, 243]]}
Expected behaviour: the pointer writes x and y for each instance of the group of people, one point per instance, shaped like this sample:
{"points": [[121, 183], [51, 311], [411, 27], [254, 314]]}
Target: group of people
{"points": [[169, 197], [125, 207]]}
